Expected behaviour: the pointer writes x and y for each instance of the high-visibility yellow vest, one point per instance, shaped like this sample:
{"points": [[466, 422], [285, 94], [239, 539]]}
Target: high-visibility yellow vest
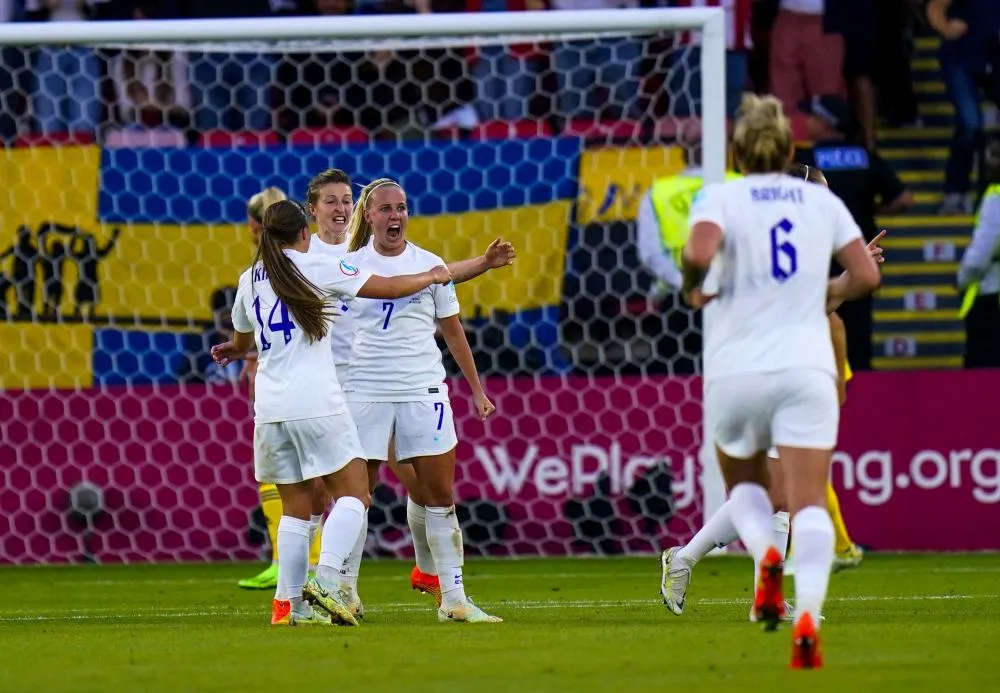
{"points": [[848, 373], [672, 198], [973, 291]]}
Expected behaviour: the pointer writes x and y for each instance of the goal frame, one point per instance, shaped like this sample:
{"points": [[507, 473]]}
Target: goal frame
{"points": [[710, 21]]}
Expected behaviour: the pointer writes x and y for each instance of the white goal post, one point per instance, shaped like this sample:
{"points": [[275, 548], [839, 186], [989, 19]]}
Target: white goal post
{"points": [[123, 228]]}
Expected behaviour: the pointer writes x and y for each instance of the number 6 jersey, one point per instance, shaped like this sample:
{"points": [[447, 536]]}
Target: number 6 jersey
{"points": [[779, 235], [395, 357], [296, 378]]}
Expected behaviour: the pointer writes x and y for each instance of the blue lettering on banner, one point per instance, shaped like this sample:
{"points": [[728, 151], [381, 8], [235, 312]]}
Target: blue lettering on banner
{"points": [[848, 158]]}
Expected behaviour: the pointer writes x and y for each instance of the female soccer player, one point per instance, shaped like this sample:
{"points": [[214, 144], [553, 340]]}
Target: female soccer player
{"points": [[770, 375], [329, 199], [678, 562], [396, 384], [302, 428]]}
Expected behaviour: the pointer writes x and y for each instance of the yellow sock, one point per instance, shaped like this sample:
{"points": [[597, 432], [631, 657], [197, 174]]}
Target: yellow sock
{"points": [[843, 539], [315, 547], [270, 503]]}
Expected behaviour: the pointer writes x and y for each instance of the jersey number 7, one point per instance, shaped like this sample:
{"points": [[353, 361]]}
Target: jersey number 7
{"points": [[284, 324], [784, 260]]}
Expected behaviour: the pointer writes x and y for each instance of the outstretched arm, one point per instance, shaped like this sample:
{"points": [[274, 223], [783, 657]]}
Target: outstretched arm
{"points": [[839, 287], [404, 284], [500, 253], [458, 345]]}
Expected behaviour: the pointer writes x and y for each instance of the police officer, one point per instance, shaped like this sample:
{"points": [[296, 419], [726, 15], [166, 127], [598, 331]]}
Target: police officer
{"points": [[866, 184], [979, 275]]}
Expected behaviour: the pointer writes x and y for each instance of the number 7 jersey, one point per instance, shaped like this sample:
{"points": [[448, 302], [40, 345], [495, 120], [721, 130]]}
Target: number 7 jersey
{"points": [[772, 269], [395, 357], [296, 378]]}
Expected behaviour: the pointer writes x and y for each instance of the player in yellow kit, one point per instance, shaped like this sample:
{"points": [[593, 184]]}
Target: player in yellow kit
{"points": [[270, 501]]}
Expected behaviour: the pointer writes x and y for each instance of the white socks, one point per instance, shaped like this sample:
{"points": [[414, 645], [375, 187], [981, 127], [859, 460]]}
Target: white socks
{"points": [[352, 566], [293, 547], [718, 531], [416, 518], [812, 536], [779, 526], [445, 539], [751, 511], [340, 534]]}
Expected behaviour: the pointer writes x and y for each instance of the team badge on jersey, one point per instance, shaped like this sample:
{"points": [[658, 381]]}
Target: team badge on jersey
{"points": [[348, 269]]}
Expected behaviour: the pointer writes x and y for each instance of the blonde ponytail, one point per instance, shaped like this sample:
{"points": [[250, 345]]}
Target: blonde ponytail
{"points": [[762, 138], [259, 203], [358, 228]]}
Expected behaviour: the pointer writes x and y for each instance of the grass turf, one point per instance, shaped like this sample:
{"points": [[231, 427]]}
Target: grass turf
{"points": [[901, 623]]}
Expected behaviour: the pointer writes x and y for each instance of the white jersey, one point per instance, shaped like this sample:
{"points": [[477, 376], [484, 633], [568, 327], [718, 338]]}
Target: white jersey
{"points": [[296, 378], [779, 235], [395, 356], [342, 334]]}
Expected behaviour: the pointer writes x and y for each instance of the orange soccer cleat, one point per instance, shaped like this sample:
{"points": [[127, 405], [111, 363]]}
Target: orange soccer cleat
{"points": [[769, 604], [805, 644], [281, 612], [428, 584]]}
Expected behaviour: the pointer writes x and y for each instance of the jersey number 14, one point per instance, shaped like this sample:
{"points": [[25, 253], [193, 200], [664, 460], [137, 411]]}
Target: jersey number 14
{"points": [[284, 325], [784, 260]]}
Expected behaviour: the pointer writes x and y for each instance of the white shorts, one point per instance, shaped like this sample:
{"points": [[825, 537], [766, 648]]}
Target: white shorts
{"points": [[750, 413], [421, 428], [293, 451]]}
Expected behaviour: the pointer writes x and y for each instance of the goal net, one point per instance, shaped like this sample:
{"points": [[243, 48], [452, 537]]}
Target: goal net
{"points": [[130, 152]]}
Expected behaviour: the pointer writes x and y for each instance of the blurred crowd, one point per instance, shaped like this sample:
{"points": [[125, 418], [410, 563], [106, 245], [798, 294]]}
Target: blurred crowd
{"points": [[795, 49]]}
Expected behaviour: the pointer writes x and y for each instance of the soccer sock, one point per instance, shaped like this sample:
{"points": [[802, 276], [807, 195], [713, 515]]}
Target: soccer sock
{"points": [[270, 504], [352, 566], [751, 513], [843, 539], [718, 531], [340, 534], [779, 526], [812, 536], [293, 541], [445, 539], [416, 518], [315, 532]]}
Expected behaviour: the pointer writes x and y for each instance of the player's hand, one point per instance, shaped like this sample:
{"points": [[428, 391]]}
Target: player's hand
{"points": [[697, 298], [875, 250], [500, 253], [225, 353], [955, 29], [441, 275], [484, 407]]}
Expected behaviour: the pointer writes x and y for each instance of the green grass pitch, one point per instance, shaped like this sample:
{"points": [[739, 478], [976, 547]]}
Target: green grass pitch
{"points": [[897, 623]]}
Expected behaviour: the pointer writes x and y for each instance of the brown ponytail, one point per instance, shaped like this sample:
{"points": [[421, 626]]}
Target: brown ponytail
{"points": [[283, 222], [358, 228]]}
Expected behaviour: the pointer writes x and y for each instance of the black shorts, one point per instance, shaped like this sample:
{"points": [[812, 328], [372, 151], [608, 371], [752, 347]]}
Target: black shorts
{"points": [[857, 26]]}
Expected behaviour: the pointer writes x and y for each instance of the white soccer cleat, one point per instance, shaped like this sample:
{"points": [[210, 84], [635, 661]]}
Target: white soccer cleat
{"points": [[675, 580], [466, 612], [352, 601], [305, 615]]}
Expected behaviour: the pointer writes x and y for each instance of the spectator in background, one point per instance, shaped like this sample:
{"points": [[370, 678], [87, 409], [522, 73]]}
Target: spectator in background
{"points": [[65, 96], [979, 276], [506, 75], [893, 52], [597, 78], [866, 184], [15, 82], [687, 60], [855, 20], [806, 59], [970, 59], [231, 91]]}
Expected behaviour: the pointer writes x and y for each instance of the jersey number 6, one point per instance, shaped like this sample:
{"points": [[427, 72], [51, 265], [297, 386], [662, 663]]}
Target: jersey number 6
{"points": [[784, 260]]}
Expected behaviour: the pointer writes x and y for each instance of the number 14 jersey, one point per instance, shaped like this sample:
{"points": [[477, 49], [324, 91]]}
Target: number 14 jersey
{"points": [[779, 235], [395, 357]]}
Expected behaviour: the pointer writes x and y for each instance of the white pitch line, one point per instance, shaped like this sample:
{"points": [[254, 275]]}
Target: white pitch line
{"points": [[406, 607]]}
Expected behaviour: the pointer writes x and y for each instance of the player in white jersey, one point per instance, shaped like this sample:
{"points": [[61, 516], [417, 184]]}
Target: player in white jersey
{"points": [[396, 386], [329, 199], [302, 427], [769, 371]]}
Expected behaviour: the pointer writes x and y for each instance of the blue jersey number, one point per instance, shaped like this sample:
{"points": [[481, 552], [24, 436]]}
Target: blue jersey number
{"points": [[784, 260], [387, 309], [439, 408], [283, 325]]}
